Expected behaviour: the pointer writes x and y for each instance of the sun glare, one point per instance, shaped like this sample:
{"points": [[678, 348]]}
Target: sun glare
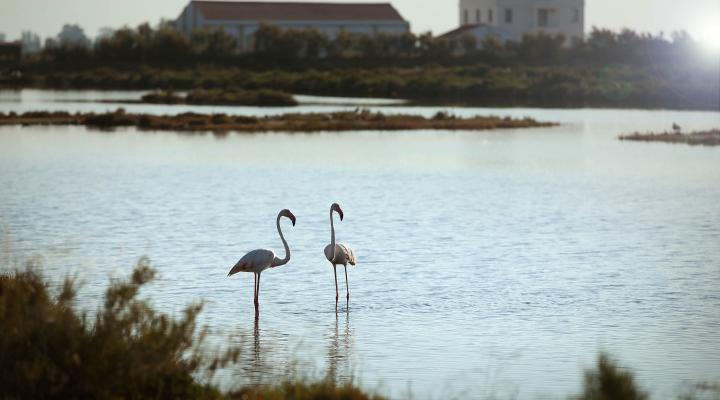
{"points": [[708, 34]]}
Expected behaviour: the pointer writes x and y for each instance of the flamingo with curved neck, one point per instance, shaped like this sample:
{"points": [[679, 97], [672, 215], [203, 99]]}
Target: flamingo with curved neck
{"points": [[338, 253], [259, 260]]}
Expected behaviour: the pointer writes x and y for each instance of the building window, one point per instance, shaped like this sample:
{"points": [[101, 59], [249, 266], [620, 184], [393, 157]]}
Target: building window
{"points": [[545, 17], [542, 17], [576, 15], [477, 16], [490, 16], [466, 19], [508, 15]]}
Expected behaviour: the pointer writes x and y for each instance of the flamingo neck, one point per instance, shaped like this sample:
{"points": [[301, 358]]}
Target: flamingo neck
{"points": [[285, 260], [332, 233]]}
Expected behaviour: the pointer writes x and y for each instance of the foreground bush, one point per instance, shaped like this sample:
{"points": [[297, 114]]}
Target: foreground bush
{"points": [[127, 350], [609, 382]]}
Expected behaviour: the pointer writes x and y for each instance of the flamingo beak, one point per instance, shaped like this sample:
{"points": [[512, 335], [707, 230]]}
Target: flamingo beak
{"points": [[341, 214], [292, 218]]}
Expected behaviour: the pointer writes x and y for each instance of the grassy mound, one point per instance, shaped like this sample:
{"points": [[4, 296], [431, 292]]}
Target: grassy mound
{"points": [[262, 97], [311, 122], [701, 138]]}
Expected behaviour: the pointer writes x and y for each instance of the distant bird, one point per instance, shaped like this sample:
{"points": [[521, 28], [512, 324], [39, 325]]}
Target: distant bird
{"points": [[676, 128], [259, 260], [339, 253]]}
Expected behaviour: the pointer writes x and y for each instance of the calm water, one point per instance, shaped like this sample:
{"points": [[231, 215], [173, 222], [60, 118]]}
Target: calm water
{"points": [[490, 262]]}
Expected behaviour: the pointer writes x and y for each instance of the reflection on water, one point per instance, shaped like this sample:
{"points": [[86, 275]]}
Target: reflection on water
{"points": [[488, 259], [340, 349]]}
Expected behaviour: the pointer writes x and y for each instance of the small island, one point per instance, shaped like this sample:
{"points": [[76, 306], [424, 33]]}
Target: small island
{"points": [[704, 138], [223, 97], [315, 122]]}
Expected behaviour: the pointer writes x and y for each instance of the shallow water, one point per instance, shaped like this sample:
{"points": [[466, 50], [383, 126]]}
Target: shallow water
{"points": [[489, 262]]}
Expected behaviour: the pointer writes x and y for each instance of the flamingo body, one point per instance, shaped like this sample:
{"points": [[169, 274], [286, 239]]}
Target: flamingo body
{"points": [[343, 255], [255, 261]]}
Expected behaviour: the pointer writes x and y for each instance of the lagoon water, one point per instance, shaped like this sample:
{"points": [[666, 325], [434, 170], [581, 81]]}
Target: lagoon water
{"points": [[490, 263]]}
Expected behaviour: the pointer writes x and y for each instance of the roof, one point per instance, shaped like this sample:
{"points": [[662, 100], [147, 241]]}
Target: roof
{"points": [[286, 11], [477, 30], [460, 31]]}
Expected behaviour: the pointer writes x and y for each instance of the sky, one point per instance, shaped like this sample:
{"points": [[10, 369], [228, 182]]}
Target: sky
{"points": [[699, 17]]}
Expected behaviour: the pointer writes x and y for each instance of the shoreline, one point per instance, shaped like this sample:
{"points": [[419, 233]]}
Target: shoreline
{"points": [[316, 122]]}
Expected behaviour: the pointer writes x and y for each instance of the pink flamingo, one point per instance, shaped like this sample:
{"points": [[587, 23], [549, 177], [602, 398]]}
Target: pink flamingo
{"points": [[259, 260], [339, 253]]}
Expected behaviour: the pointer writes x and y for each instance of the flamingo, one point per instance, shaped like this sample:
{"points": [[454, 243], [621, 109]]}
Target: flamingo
{"points": [[339, 253], [259, 260]]}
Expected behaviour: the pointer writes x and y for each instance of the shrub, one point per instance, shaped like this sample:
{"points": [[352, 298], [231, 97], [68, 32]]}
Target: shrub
{"points": [[608, 382], [128, 350]]}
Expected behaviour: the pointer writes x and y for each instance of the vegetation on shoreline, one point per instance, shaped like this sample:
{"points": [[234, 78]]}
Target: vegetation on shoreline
{"points": [[263, 97], [338, 121], [127, 349], [660, 86], [607, 69], [705, 138]]}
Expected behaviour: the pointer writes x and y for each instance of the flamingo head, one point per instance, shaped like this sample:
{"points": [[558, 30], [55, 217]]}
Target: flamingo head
{"points": [[287, 213], [336, 207]]}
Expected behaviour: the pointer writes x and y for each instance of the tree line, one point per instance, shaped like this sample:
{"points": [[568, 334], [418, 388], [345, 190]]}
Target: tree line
{"points": [[163, 45]]}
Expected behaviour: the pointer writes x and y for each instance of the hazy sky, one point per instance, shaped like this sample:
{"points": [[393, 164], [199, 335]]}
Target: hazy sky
{"points": [[45, 17]]}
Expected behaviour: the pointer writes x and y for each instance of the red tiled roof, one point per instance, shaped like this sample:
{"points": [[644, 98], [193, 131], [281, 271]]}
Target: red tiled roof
{"points": [[459, 30], [285, 11]]}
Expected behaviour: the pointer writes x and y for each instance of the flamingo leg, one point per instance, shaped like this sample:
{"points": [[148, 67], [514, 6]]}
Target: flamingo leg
{"points": [[347, 286], [257, 296], [255, 288], [336, 286]]}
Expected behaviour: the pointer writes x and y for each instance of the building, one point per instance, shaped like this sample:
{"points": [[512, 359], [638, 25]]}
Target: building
{"points": [[242, 18], [518, 17]]}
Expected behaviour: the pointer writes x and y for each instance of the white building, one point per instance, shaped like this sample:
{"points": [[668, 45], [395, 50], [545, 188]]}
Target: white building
{"points": [[518, 17], [242, 18]]}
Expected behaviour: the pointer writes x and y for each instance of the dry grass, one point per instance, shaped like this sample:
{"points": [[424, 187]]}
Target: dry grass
{"points": [[299, 390], [339, 121]]}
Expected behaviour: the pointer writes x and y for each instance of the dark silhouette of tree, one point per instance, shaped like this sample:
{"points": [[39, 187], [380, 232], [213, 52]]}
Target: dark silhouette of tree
{"points": [[72, 35], [213, 45]]}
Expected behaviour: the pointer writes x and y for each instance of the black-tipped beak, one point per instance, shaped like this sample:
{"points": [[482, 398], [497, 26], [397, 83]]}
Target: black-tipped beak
{"points": [[341, 214], [292, 218]]}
